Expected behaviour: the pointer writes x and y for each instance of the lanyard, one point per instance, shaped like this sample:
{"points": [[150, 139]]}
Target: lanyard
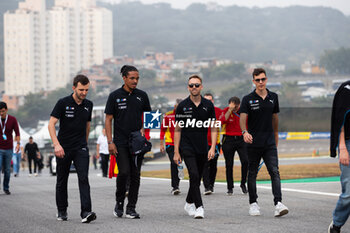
{"points": [[3, 129], [236, 114]]}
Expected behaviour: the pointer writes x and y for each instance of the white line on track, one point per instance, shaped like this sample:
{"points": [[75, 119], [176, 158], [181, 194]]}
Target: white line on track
{"points": [[260, 187]]}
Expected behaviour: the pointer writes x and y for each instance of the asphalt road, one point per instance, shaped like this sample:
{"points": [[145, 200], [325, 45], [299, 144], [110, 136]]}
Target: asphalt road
{"points": [[31, 208]]}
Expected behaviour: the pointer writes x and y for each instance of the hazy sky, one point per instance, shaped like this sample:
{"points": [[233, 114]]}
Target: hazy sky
{"points": [[342, 5]]}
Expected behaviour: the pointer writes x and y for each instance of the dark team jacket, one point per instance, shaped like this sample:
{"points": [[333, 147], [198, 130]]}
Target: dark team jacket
{"points": [[73, 119], [340, 116], [127, 110]]}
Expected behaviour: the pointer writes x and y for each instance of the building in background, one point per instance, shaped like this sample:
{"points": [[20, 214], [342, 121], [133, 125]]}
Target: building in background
{"points": [[45, 48]]}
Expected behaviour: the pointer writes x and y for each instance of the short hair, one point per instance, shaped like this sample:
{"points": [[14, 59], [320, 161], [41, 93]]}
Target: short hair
{"points": [[209, 94], [195, 76], [30, 137], [80, 78], [124, 71], [234, 100], [3, 105], [258, 71]]}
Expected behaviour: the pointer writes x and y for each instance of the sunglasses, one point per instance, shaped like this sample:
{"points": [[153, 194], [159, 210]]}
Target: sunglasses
{"points": [[194, 85], [260, 79]]}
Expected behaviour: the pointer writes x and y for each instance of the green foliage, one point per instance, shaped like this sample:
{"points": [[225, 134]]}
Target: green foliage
{"points": [[224, 72], [336, 61]]}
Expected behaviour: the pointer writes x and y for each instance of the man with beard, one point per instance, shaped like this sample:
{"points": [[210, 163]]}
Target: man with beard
{"points": [[74, 113], [126, 106], [191, 143]]}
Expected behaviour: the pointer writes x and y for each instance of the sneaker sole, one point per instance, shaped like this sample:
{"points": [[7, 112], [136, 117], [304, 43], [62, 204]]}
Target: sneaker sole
{"points": [[207, 193], [176, 192], [283, 212], [62, 219], [117, 215], [132, 217], [89, 218], [254, 214], [198, 217]]}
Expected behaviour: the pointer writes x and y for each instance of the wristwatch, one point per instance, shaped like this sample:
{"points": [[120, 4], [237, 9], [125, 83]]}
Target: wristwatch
{"points": [[244, 131], [110, 142]]}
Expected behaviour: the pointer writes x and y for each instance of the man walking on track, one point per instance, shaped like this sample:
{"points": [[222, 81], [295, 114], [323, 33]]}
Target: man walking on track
{"points": [[194, 116], [74, 112], [260, 108]]}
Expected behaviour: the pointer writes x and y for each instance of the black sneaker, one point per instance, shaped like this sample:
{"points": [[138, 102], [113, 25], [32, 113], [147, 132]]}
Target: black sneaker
{"points": [[211, 189], [244, 189], [62, 216], [118, 209], [229, 192], [131, 213], [87, 217], [7, 192], [207, 191], [333, 229], [175, 191]]}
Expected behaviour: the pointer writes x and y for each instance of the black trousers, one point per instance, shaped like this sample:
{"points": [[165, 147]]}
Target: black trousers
{"points": [[128, 168], [104, 164], [173, 167], [30, 159], [269, 155], [230, 145], [210, 170], [80, 159], [195, 164]]}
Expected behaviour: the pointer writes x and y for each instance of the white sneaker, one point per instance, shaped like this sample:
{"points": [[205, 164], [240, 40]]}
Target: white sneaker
{"points": [[35, 174], [254, 209], [190, 209], [199, 213], [29, 175], [280, 210]]}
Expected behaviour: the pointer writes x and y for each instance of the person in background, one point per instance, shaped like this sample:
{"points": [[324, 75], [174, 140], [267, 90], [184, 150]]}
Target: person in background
{"points": [[17, 156], [233, 141], [8, 125], [210, 169], [167, 132], [102, 151], [32, 151]]}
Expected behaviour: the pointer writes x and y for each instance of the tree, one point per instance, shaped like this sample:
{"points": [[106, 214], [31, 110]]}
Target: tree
{"points": [[224, 72], [336, 61]]}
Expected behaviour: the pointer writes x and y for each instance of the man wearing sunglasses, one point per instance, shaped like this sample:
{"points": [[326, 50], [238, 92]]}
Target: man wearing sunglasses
{"points": [[261, 135], [190, 140]]}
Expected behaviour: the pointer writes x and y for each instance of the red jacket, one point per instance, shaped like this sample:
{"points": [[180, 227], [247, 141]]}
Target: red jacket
{"points": [[231, 126]]}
